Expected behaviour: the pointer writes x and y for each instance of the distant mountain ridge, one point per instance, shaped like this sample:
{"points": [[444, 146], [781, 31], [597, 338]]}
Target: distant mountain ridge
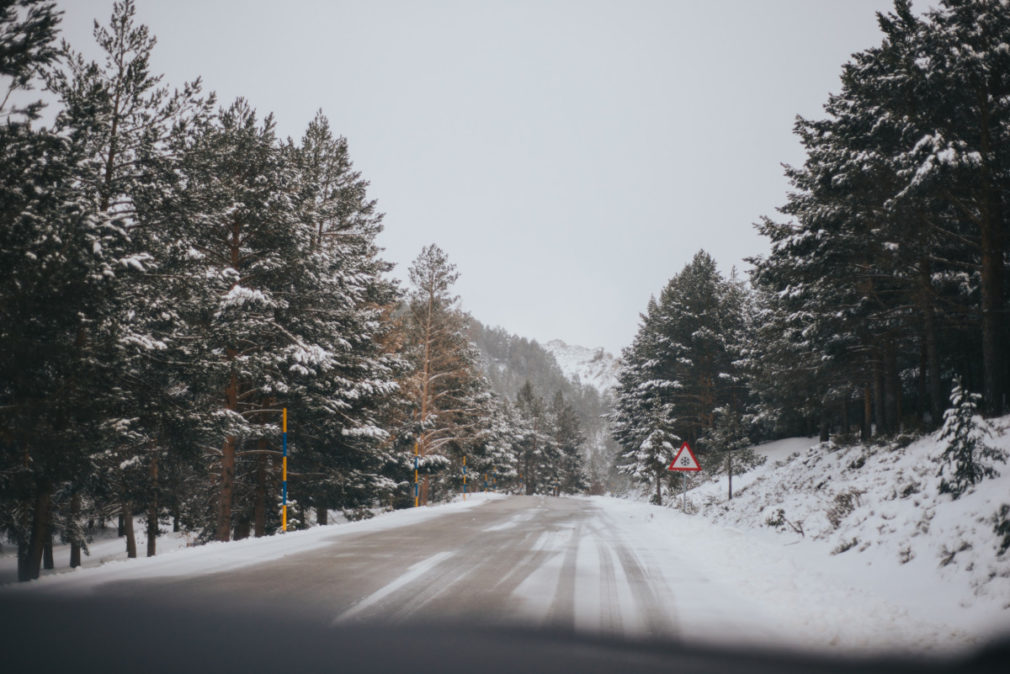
{"points": [[585, 377], [592, 367]]}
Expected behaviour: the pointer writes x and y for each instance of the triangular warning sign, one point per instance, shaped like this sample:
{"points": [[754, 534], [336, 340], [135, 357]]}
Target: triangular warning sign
{"points": [[685, 460]]}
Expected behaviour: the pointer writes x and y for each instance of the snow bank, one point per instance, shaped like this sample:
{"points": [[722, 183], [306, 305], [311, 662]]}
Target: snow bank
{"points": [[873, 517], [217, 556]]}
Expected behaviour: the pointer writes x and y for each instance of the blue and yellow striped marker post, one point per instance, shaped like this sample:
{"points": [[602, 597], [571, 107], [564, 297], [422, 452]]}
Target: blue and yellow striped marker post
{"points": [[464, 478], [416, 454], [284, 470]]}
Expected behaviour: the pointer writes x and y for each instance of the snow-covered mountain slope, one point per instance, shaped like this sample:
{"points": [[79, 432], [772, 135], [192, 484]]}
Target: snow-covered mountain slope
{"points": [[594, 367], [874, 516]]}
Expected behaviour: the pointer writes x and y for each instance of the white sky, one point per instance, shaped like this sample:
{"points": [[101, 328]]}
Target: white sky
{"points": [[570, 156]]}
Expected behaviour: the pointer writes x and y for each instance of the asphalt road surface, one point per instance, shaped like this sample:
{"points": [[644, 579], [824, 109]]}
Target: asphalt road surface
{"points": [[529, 561], [524, 584]]}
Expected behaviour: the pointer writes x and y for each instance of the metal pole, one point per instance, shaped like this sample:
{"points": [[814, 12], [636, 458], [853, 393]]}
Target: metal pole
{"points": [[683, 492], [416, 499], [284, 470]]}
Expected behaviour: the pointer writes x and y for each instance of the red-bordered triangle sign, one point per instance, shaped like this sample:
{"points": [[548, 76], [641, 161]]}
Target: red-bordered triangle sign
{"points": [[685, 460]]}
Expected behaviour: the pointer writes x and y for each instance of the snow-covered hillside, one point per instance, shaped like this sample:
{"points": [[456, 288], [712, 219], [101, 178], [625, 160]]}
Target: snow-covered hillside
{"points": [[594, 367], [873, 515]]}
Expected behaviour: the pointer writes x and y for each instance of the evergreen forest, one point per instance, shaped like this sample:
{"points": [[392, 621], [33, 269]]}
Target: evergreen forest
{"points": [[886, 278], [175, 278]]}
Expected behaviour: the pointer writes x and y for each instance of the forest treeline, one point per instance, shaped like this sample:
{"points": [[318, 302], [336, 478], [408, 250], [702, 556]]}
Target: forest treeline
{"points": [[175, 275], [886, 277], [510, 361]]}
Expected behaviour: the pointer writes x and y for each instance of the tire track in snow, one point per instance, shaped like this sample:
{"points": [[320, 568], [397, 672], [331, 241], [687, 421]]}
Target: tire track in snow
{"points": [[562, 611]]}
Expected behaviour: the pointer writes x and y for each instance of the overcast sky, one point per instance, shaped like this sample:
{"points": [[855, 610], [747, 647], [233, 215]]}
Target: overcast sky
{"points": [[570, 156]]}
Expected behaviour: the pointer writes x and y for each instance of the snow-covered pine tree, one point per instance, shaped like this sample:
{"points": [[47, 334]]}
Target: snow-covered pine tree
{"points": [[648, 462], [967, 67], [640, 389], [71, 260], [33, 169], [967, 459], [570, 442], [337, 303], [119, 122], [496, 450], [248, 250], [538, 453], [892, 263], [445, 389], [28, 37]]}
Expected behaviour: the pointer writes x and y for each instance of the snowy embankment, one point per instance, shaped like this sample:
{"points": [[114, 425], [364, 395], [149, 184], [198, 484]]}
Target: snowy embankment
{"points": [[873, 518], [176, 558]]}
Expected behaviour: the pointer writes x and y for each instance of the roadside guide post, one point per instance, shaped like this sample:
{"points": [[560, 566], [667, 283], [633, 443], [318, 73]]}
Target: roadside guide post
{"points": [[416, 450], [684, 462], [284, 470], [464, 478]]}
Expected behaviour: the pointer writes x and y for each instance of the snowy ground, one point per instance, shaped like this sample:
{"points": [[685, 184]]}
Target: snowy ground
{"points": [[873, 520], [843, 549], [178, 557], [598, 565]]}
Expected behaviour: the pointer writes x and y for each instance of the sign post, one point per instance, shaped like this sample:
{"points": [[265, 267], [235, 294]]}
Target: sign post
{"points": [[416, 451], [684, 462], [284, 470]]}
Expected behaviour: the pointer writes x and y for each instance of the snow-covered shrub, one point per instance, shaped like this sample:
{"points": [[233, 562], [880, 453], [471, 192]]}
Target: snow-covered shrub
{"points": [[845, 502], [1002, 527], [358, 514], [845, 546], [967, 458]]}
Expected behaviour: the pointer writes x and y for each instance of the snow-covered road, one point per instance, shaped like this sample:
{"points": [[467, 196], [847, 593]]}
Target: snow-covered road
{"points": [[592, 565]]}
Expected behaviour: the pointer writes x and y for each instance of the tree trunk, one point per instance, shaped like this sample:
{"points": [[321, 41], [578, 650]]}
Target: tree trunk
{"points": [[322, 515], [730, 459], [223, 532], [152, 510], [47, 552], [260, 503], [131, 540], [75, 541], [659, 488], [933, 368], [23, 573], [991, 225], [867, 414], [891, 386], [878, 396], [40, 526]]}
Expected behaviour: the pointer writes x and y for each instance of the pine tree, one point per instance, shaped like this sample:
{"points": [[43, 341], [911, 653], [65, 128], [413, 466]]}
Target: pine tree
{"points": [[31, 171], [445, 389], [27, 46], [967, 459], [570, 442], [496, 451], [61, 259], [894, 258], [338, 305], [120, 122], [648, 462], [247, 251], [538, 450]]}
